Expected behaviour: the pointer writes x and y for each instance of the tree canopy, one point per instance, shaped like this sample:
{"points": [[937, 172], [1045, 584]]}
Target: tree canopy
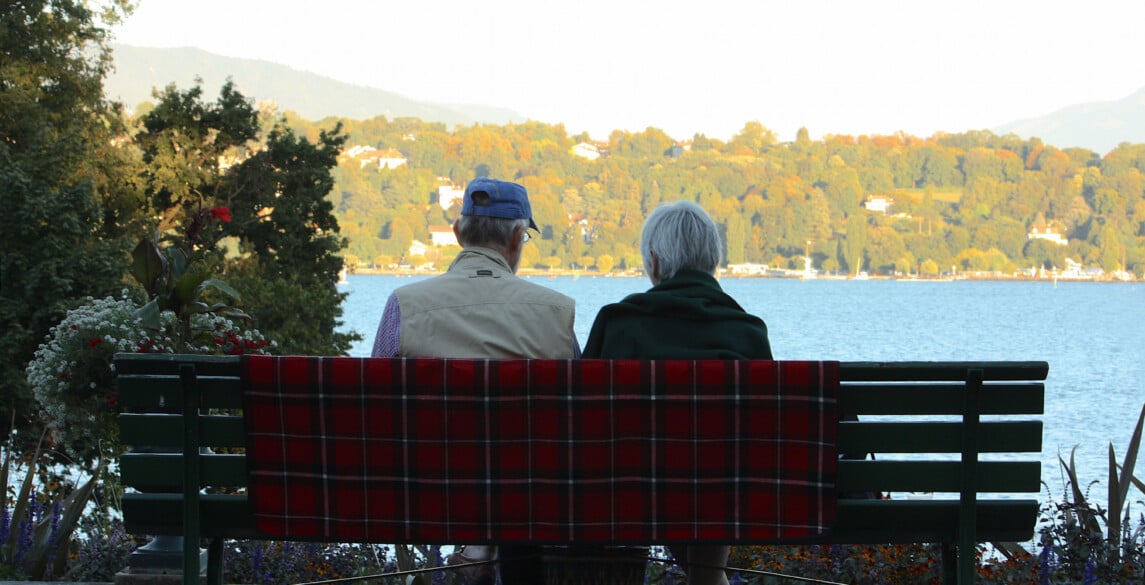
{"points": [[82, 183], [949, 195]]}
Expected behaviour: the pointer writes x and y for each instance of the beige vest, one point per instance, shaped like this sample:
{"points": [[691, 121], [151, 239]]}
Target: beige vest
{"points": [[479, 308]]}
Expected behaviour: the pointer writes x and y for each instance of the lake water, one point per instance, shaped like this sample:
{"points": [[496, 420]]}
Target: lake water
{"points": [[1090, 333]]}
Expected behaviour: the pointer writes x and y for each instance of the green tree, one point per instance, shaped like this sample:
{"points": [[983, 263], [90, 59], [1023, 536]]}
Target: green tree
{"points": [[1042, 254], [802, 139], [295, 245], [855, 243], [552, 262], [753, 139], [605, 263], [737, 234], [928, 268], [66, 209], [885, 248], [201, 155]]}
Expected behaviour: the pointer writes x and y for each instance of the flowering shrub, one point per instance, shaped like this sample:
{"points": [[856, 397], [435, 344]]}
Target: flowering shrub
{"points": [[100, 552], [71, 373], [37, 524], [281, 563]]}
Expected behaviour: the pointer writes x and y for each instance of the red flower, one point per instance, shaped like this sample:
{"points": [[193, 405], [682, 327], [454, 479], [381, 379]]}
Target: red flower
{"points": [[221, 213], [94, 342]]}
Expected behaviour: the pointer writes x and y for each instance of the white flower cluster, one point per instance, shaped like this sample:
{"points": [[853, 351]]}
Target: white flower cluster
{"points": [[213, 334], [72, 372]]}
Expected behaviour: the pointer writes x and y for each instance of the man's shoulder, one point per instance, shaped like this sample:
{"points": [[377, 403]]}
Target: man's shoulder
{"points": [[419, 283], [519, 288], [542, 292]]}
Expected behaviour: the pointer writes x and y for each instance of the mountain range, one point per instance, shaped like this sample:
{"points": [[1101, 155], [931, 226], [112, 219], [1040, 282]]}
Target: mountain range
{"points": [[139, 70], [1098, 126]]}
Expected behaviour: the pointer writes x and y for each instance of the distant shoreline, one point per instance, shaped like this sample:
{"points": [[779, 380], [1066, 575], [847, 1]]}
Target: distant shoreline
{"points": [[561, 272]]}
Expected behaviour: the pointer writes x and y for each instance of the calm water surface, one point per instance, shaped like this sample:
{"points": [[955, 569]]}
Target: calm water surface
{"points": [[1090, 333]]}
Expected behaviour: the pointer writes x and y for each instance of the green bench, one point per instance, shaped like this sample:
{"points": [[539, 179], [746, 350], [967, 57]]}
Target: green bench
{"points": [[931, 410]]}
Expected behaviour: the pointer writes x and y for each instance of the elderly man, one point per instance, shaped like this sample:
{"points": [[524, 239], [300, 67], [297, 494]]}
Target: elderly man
{"points": [[480, 309], [685, 315]]}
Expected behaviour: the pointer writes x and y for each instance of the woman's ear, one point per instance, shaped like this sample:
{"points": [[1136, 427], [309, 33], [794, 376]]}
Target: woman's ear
{"points": [[654, 269]]}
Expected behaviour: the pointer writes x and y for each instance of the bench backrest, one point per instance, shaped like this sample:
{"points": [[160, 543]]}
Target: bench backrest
{"points": [[929, 410]]}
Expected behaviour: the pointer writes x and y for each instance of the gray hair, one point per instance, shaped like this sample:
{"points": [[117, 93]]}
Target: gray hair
{"points": [[683, 235], [482, 230]]}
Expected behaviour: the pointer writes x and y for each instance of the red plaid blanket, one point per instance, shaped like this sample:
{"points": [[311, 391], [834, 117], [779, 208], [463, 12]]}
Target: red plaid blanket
{"points": [[436, 450]]}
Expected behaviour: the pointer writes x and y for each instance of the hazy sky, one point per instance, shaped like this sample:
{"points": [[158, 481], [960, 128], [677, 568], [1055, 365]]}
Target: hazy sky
{"points": [[709, 66]]}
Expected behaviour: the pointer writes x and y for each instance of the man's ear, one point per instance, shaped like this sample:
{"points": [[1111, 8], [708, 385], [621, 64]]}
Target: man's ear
{"points": [[515, 242]]}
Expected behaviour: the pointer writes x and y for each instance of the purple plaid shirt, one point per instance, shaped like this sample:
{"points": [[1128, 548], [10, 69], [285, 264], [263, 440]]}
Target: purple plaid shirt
{"points": [[387, 342]]}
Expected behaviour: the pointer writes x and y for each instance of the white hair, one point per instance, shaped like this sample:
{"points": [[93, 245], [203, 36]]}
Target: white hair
{"points": [[481, 230], [682, 235]]}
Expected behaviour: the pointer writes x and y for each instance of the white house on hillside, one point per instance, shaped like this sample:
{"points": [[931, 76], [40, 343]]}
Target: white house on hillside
{"points": [[447, 194], [442, 235], [878, 203], [586, 150], [1046, 233], [384, 158], [390, 158]]}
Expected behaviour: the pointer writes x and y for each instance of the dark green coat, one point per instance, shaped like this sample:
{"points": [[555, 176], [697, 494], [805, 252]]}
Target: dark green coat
{"points": [[685, 317]]}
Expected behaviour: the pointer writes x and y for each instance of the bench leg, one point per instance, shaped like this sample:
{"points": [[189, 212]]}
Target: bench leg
{"points": [[949, 563], [215, 562]]}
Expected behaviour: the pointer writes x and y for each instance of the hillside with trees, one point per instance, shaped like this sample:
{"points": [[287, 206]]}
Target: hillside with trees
{"points": [[230, 191], [963, 202]]}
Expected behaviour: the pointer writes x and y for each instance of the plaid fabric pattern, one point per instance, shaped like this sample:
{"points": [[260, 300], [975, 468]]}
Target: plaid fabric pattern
{"points": [[458, 450]]}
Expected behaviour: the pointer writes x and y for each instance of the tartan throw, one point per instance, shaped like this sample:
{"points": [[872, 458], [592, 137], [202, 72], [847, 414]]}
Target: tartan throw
{"points": [[408, 450]]}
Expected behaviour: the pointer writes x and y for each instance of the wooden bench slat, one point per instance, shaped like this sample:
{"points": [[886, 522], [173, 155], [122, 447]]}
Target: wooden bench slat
{"points": [[906, 521], [167, 430], [938, 437], [937, 476], [848, 371], [164, 471], [924, 398], [149, 392], [938, 371], [879, 437], [859, 521], [224, 515], [166, 364]]}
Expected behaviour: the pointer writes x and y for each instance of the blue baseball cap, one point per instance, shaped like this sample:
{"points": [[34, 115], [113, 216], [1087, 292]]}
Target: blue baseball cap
{"points": [[500, 199]]}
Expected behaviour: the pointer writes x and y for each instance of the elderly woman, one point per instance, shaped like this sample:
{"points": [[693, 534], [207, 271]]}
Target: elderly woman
{"points": [[685, 315]]}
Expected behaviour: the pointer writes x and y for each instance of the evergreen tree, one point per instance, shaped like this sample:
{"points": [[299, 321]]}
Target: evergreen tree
{"points": [[64, 210]]}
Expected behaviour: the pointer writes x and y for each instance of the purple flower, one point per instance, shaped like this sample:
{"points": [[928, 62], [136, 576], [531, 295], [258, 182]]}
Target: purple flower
{"points": [[1090, 575], [5, 523], [1045, 564], [53, 545]]}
